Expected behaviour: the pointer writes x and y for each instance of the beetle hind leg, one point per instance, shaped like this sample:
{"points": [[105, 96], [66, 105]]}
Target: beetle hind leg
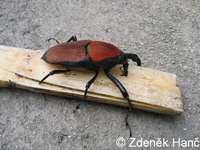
{"points": [[54, 72], [134, 57], [86, 89], [125, 95]]}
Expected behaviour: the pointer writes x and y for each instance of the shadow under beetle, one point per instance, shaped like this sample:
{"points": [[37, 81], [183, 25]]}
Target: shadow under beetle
{"points": [[87, 55]]}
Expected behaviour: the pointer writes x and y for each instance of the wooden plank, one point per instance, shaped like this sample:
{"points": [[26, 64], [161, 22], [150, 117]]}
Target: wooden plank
{"points": [[149, 89]]}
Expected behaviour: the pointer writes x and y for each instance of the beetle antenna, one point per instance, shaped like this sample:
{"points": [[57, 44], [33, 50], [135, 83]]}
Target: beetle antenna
{"points": [[48, 40], [134, 57]]}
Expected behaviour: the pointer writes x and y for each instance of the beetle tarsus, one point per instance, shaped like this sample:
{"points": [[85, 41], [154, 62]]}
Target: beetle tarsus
{"points": [[52, 73], [123, 73], [127, 125], [125, 95], [77, 107], [130, 109]]}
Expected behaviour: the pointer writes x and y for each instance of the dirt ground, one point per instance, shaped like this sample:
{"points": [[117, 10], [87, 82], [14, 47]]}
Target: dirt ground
{"points": [[164, 34]]}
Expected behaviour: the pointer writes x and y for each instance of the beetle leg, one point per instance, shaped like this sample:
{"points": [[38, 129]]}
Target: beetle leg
{"points": [[125, 95], [73, 38], [125, 72], [48, 40], [86, 89], [54, 72], [121, 69], [134, 57]]}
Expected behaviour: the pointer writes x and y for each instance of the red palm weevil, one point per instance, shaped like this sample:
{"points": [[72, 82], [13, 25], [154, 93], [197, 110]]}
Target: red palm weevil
{"points": [[87, 55]]}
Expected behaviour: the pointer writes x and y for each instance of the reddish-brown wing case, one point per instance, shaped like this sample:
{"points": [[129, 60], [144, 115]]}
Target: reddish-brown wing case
{"points": [[67, 52], [99, 51]]}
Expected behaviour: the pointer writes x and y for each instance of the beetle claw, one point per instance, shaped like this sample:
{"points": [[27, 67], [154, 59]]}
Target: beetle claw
{"points": [[123, 74], [75, 110], [121, 70]]}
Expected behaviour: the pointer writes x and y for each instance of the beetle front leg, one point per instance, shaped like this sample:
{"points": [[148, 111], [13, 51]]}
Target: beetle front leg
{"points": [[125, 71], [54, 72], [73, 38], [86, 89], [134, 57], [125, 95]]}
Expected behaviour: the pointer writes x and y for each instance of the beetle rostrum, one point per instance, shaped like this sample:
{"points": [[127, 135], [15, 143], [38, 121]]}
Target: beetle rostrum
{"points": [[87, 55]]}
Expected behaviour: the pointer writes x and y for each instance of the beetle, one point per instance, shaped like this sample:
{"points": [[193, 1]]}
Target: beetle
{"points": [[88, 55]]}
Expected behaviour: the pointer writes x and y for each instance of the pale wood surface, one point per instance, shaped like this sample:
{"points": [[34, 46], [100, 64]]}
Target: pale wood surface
{"points": [[149, 89]]}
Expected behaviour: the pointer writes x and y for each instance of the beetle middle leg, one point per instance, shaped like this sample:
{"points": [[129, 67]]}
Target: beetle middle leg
{"points": [[86, 89], [125, 95], [54, 72]]}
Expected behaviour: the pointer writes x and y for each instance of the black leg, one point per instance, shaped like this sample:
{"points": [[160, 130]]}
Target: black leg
{"points": [[54, 72], [48, 40], [86, 89], [125, 95], [134, 57], [125, 71], [73, 38]]}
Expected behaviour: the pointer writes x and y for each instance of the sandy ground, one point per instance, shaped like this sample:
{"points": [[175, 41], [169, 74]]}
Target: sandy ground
{"points": [[164, 34]]}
